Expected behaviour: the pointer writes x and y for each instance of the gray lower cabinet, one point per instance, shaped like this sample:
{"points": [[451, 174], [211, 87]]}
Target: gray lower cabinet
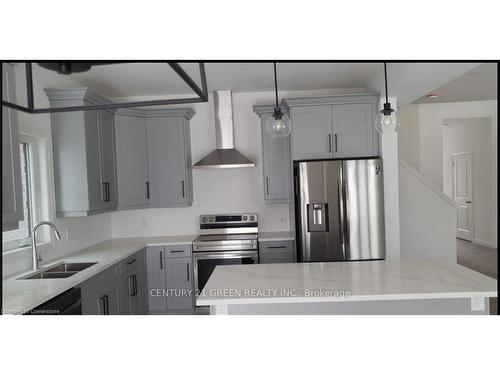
{"points": [[12, 194], [276, 157], [277, 252], [334, 127], [180, 284], [170, 278], [133, 285], [120, 289], [154, 158], [83, 148], [100, 293], [156, 275]]}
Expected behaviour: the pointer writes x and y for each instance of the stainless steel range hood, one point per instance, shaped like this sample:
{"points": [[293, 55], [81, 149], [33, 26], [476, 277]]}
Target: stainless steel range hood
{"points": [[225, 155]]}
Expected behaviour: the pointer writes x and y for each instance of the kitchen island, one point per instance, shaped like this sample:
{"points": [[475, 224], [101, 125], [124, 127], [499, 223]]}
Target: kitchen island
{"points": [[364, 287]]}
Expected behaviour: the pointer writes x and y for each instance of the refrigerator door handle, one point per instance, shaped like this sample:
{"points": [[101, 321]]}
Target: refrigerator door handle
{"points": [[341, 196]]}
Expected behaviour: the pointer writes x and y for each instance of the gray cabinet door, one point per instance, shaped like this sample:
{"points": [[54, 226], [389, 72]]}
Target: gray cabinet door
{"points": [[129, 292], [167, 162], [90, 122], [107, 159], [131, 161], [102, 302], [312, 132], [12, 203], [276, 167], [353, 130], [156, 278], [179, 284]]}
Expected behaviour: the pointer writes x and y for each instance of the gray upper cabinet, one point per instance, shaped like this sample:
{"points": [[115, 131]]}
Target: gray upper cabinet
{"points": [[84, 155], [353, 130], [334, 127], [276, 163], [154, 158], [131, 159], [107, 159], [312, 132], [168, 169], [12, 203]]}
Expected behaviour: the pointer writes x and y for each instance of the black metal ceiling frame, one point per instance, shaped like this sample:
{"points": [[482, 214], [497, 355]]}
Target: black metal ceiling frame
{"points": [[201, 92]]}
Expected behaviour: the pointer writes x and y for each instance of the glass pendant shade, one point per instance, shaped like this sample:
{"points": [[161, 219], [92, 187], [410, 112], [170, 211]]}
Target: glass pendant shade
{"points": [[278, 125], [387, 123]]}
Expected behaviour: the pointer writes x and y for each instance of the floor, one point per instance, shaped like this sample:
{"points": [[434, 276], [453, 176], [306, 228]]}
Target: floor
{"points": [[481, 259]]}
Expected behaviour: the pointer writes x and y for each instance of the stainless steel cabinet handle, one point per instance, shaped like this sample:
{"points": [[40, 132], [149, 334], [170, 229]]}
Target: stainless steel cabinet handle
{"points": [[336, 143], [135, 284], [267, 185], [131, 261], [147, 189], [276, 247], [468, 201], [329, 143], [109, 191], [187, 271], [183, 193], [132, 285], [176, 251], [161, 260]]}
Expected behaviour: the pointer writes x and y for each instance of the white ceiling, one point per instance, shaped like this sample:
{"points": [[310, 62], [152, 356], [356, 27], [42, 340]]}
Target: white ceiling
{"points": [[477, 84], [408, 81], [144, 79]]}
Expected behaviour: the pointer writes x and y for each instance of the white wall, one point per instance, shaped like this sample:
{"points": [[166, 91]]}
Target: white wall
{"points": [[427, 218], [431, 118], [473, 135], [82, 232], [408, 134]]}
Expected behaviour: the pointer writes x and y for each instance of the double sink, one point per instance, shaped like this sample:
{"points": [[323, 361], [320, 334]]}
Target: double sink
{"points": [[60, 271]]}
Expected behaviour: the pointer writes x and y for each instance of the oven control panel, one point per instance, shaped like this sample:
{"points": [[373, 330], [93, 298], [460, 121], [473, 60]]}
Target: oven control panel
{"points": [[229, 219]]}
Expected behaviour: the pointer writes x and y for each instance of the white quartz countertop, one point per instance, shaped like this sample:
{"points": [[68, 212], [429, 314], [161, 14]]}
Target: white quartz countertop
{"points": [[22, 295], [343, 281], [276, 236]]}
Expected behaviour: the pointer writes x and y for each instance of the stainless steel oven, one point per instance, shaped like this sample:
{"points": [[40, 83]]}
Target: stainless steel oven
{"points": [[224, 240]]}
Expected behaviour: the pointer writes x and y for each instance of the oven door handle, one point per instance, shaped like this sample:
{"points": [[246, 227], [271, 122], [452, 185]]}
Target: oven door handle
{"points": [[227, 247], [227, 255]]}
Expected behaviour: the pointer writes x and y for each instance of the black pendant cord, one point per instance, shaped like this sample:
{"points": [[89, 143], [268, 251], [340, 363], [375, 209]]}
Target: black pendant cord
{"points": [[385, 75], [276, 85]]}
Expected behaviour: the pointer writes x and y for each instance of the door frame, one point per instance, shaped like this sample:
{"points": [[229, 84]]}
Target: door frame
{"points": [[470, 188]]}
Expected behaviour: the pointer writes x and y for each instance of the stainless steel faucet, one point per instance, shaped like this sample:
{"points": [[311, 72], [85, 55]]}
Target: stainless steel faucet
{"points": [[36, 257]]}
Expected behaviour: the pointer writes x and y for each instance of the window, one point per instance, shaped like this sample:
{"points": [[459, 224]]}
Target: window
{"points": [[22, 236]]}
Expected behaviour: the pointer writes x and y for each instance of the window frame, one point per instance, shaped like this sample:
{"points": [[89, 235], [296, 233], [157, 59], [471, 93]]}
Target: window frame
{"points": [[39, 209]]}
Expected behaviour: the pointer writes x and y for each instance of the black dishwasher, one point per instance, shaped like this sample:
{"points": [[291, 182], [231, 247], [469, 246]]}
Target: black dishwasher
{"points": [[67, 303]]}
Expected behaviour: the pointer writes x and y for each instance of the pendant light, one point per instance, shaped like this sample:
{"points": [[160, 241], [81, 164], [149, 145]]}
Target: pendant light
{"points": [[278, 125], [386, 119]]}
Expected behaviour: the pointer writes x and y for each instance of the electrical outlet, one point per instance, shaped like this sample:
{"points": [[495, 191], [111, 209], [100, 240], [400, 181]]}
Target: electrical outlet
{"points": [[283, 219], [144, 222], [68, 234], [477, 303]]}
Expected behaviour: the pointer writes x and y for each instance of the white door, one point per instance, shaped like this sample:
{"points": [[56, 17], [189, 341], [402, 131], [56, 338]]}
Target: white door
{"points": [[462, 187]]}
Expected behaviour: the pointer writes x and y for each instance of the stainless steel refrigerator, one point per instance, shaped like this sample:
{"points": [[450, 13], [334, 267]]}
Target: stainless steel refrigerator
{"points": [[339, 210]]}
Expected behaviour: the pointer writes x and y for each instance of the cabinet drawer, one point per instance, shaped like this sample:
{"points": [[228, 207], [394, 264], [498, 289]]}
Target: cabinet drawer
{"points": [[132, 261], [277, 258], [181, 251], [100, 280], [276, 247]]}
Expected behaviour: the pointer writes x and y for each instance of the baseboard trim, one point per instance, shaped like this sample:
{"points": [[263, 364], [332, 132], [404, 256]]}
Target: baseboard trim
{"points": [[484, 243]]}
